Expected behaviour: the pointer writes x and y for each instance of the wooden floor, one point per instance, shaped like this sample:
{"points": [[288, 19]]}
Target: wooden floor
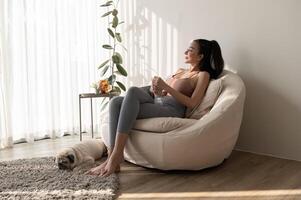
{"points": [[243, 176]]}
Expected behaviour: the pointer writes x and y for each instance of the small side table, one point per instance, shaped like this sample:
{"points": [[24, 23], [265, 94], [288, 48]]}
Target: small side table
{"points": [[91, 96]]}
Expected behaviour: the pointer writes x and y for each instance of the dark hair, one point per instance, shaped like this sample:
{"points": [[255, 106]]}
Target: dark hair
{"points": [[212, 61]]}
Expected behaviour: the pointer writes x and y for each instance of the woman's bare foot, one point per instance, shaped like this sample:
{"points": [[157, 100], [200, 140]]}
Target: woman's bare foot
{"points": [[113, 164]]}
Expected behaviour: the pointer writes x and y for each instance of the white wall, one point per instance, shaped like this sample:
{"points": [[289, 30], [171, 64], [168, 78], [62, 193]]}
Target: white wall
{"points": [[260, 39]]}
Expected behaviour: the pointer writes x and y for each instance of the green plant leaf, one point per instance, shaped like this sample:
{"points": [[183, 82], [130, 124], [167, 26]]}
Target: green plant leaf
{"points": [[112, 79], [115, 22], [104, 71], [104, 63], [118, 37], [119, 57], [121, 85], [106, 46], [115, 59], [114, 12], [117, 89], [106, 14], [105, 5], [121, 70], [111, 32], [108, 3]]}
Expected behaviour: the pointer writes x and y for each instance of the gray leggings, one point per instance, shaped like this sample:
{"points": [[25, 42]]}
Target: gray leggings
{"points": [[138, 103]]}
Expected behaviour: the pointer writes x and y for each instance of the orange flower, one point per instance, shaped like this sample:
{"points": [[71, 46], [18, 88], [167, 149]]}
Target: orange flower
{"points": [[104, 86]]}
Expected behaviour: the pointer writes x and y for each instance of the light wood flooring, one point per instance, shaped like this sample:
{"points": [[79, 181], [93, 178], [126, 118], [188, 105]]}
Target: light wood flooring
{"points": [[243, 176]]}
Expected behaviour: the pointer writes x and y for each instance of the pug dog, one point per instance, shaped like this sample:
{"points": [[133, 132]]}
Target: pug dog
{"points": [[85, 152]]}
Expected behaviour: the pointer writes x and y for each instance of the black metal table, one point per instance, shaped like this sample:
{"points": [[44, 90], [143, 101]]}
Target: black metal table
{"points": [[91, 96]]}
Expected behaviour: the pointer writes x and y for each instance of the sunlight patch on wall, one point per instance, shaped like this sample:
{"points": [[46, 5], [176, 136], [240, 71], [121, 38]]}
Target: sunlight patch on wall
{"points": [[151, 42]]}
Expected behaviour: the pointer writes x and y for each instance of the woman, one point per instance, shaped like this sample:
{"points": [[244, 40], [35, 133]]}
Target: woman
{"points": [[166, 99]]}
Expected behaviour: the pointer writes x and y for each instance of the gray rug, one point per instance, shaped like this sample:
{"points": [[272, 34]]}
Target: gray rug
{"points": [[40, 178]]}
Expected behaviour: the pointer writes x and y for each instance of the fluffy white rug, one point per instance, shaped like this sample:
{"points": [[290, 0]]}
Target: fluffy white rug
{"points": [[40, 178]]}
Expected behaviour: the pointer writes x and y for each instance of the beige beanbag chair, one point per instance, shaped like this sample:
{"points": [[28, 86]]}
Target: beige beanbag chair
{"points": [[203, 140]]}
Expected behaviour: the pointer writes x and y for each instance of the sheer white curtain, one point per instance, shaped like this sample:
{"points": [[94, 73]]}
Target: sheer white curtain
{"points": [[49, 53], [5, 130]]}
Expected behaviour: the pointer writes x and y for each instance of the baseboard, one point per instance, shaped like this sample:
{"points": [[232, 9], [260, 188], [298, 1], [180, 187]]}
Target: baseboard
{"points": [[266, 154]]}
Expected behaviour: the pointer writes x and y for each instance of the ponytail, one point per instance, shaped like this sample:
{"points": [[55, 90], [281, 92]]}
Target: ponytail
{"points": [[212, 61], [216, 59]]}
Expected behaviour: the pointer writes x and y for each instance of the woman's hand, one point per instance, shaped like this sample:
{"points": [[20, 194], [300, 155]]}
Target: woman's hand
{"points": [[158, 85]]}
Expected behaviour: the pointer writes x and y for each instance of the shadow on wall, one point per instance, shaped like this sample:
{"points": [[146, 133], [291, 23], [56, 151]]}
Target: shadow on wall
{"points": [[158, 32], [138, 50], [270, 116], [152, 43], [271, 121]]}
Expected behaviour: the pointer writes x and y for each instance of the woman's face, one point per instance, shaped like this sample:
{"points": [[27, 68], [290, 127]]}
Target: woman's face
{"points": [[191, 54]]}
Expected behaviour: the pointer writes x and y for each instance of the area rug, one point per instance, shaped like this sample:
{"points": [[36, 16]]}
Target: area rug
{"points": [[40, 178]]}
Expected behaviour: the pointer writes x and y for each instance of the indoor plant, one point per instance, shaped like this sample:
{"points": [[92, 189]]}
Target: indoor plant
{"points": [[112, 66]]}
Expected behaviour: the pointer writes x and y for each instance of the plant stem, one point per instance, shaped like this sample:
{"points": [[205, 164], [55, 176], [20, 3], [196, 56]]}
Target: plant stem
{"points": [[112, 65], [114, 48], [114, 54]]}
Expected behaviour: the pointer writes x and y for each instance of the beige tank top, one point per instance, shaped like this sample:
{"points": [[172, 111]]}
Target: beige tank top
{"points": [[184, 85]]}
